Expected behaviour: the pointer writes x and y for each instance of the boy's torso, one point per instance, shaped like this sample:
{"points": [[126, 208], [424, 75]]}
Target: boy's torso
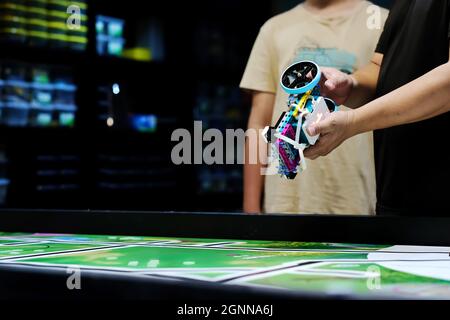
{"points": [[343, 182]]}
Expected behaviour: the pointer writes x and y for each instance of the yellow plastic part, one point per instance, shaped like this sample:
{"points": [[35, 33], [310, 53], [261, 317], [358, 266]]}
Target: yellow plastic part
{"points": [[77, 39], [37, 22], [16, 31], [140, 54], [38, 34], [11, 18], [302, 103], [66, 3]]}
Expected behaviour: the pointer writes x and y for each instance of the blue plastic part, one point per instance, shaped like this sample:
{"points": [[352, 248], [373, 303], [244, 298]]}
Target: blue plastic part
{"points": [[144, 122], [310, 86]]}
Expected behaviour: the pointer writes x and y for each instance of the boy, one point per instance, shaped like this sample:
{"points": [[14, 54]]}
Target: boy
{"points": [[332, 33]]}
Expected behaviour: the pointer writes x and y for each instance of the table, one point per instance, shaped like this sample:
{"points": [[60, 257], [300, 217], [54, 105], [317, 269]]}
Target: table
{"points": [[176, 256]]}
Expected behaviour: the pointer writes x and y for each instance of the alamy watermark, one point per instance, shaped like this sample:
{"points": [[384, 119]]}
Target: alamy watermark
{"points": [[374, 21], [215, 147], [74, 20], [373, 274], [74, 279]]}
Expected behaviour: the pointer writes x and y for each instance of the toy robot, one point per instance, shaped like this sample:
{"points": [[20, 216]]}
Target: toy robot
{"points": [[289, 138]]}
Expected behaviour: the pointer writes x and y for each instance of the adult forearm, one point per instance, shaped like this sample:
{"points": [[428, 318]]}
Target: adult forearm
{"points": [[424, 98]]}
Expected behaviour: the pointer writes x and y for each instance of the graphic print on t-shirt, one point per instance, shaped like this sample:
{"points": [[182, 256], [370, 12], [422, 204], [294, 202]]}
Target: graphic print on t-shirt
{"points": [[327, 57]]}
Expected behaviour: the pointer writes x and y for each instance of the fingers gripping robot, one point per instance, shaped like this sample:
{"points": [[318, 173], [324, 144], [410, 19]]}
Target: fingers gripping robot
{"points": [[289, 137]]}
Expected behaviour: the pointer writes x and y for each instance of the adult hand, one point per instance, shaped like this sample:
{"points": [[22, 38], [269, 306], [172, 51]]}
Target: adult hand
{"points": [[335, 129], [336, 85]]}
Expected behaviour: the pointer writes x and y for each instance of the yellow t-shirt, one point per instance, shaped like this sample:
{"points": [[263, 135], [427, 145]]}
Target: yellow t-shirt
{"points": [[344, 181]]}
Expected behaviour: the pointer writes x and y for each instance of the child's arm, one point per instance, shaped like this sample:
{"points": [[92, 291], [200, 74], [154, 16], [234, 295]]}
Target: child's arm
{"points": [[260, 117], [352, 90]]}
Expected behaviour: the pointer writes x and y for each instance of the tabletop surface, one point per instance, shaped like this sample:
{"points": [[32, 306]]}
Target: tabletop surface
{"points": [[347, 270]]}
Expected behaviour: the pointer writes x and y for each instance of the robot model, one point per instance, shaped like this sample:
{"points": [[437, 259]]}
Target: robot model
{"points": [[289, 138]]}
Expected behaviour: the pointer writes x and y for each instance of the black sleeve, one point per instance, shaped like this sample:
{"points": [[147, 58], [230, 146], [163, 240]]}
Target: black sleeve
{"points": [[382, 43], [448, 17], [389, 26], [385, 35]]}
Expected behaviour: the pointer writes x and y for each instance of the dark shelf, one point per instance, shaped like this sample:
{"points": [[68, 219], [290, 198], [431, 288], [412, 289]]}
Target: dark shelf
{"points": [[34, 138], [165, 88], [126, 62], [41, 55], [133, 137], [33, 131], [215, 73], [54, 56], [214, 201]]}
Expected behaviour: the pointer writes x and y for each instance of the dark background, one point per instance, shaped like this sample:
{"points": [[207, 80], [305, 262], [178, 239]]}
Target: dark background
{"points": [[194, 76]]}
